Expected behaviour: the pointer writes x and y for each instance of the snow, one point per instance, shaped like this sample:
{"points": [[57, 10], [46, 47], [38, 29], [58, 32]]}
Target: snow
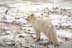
{"points": [[64, 34], [9, 19], [22, 10]]}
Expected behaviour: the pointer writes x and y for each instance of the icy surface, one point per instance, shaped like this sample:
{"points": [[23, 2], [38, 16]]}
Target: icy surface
{"points": [[60, 17]]}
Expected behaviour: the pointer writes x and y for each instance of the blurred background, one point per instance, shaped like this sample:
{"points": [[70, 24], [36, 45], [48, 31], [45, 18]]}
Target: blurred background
{"points": [[15, 32]]}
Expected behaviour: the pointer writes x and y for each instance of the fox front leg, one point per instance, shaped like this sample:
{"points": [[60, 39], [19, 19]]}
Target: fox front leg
{"points": [[37, 35]]}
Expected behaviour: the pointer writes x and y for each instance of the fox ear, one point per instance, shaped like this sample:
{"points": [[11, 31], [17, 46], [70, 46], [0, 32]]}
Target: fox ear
{"points": [[32, 15]]}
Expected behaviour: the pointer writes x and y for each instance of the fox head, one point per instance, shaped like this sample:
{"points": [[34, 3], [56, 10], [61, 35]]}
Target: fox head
{"points": [[31, 18]]}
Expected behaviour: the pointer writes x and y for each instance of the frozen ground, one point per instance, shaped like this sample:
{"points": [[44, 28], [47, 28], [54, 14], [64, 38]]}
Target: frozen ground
{"points": [[15, 14]]}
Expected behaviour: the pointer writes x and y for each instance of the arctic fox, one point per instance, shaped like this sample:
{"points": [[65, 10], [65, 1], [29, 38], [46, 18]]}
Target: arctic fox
{"points": [[45, 26]]}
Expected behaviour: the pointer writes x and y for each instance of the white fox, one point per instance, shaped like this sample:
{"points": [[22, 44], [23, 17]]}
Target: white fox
{"points": [[45, 26]]}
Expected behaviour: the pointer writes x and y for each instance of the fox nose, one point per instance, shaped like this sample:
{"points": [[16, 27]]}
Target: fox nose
{"points": [[26, 19]]}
